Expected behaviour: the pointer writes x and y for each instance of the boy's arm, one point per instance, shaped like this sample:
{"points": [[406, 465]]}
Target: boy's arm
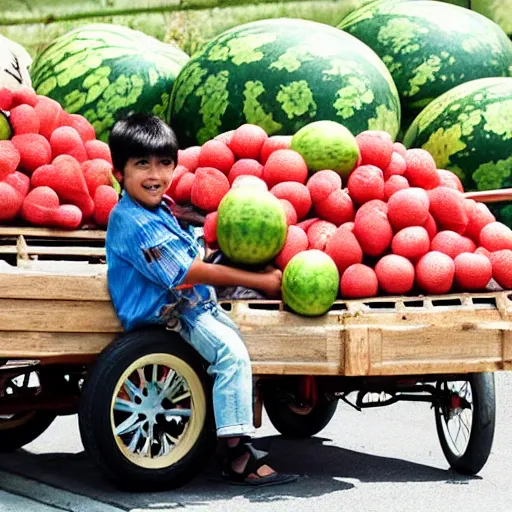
{"points": [[220, 275]]}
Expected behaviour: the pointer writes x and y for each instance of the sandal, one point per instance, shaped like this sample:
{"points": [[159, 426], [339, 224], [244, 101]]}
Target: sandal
{"points": [[254, 463]]}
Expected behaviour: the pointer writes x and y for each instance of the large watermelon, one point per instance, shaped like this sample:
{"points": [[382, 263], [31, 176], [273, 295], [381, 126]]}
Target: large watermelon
{"points": [[431, 47], [105, 71], [281, 75], [468, 130]]}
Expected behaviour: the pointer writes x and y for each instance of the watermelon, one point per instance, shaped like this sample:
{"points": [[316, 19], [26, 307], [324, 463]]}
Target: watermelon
{"points": [[251, 226], [282, 74], [5, 127], [104, 71], [468, 131], [327, 145], [431, 47], [310, 283]]}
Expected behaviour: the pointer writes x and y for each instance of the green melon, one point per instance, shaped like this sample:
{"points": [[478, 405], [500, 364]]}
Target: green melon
{"points": [[281, 75], [468, 130], [431, 47], [310, 283], [103, 72], [251, 226]]}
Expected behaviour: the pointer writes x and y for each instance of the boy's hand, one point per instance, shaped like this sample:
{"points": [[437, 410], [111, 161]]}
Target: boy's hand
{"points": [[271, 282]]}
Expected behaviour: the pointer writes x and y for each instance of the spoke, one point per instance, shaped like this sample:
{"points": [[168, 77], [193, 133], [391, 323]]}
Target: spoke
{"points": [[467, 427], [146, 448], [164, 446], [178, 383], [142, 377], [168, 379], [135, 440], [184, 413], [132, 390], [154, 375], [128, 425], [181, 397], [122, 405], [458, 431], [173, 440]]}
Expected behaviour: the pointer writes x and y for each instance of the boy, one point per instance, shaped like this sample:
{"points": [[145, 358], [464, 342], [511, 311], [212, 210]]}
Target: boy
{"points": [[156, 277]]}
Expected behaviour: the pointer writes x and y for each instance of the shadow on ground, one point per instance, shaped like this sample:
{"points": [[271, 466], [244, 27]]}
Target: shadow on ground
{"points": [[322, 466]]}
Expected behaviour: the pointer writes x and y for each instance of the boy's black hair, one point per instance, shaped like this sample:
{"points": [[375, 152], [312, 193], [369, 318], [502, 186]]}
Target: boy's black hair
{"points": [[140, 135]]}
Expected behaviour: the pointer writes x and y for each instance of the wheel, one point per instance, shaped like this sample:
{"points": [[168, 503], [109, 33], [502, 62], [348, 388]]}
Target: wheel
{"points": [[297, 407], [145, 414], [465, 412], [19, 429]]}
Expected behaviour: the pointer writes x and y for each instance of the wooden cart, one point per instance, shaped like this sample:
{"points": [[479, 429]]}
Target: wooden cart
{"points": [[144, 398]]}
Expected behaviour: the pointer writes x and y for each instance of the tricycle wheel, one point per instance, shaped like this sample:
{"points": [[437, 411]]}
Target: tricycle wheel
{"points": [[297, 406], [145, 414], [465, 412]]}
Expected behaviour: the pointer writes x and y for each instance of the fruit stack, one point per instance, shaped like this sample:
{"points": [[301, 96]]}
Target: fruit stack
{"points": [[53, 171], [391, 222]]}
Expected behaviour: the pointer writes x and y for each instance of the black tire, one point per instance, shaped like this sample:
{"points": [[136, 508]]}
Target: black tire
{"points": [[23, 428], [280, 400], [471, 460], [95, 415]]}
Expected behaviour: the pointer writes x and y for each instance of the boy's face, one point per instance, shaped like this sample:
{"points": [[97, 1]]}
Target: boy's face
{"points": [[147, 178]]}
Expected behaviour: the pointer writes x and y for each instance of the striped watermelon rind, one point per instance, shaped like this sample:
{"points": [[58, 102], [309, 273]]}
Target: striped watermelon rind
{"points": [[431, 47], [251, 226], [104, 71], [281, 75], [310, 283]]}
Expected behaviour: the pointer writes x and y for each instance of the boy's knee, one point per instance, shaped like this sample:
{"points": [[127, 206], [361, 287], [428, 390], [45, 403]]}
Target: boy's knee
{"points": [[235, 350]]}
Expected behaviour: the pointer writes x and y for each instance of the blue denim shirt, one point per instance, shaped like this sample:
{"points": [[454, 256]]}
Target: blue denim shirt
{"points": [[148, 256]]}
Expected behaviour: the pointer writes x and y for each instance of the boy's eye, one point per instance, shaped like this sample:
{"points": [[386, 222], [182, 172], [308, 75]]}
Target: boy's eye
{"points": [[166, 162], [141, 162]]}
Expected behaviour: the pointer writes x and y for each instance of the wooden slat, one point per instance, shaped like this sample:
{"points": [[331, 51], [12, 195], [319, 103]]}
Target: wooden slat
{"points": [[68, 250], [52, 233]]}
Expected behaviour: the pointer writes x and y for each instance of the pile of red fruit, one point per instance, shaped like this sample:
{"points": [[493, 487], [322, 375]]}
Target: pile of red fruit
{"points": [[53, 171], [398, 225]]}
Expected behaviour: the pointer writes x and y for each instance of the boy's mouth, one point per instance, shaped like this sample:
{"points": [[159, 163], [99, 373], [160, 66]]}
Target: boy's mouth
{"points": [[152, 188]]}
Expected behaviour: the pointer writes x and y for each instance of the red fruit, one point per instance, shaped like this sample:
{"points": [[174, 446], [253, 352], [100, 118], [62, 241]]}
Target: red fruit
{"points": [[105, 198], [319, 234], [397, 166], [285, 165], [245, 167], [19, 182], [373, 231], [189, 157], [450, 243], [435, 272], [273, 144], [472, 271], [344, 248], [395, 274], [251, 182], [5, 99], [209, 188], [10, 202], [223, 137], [479, 216], [431, 227], [296, 193], [366, 183], [34, 151], [183, 190], [349, 226], [247, 141], [39, 206], [84, 128], [496, 237], [98, 149], [24, 96], [449, 179], [421, 169], [9, 158], [210, 228], [394, 184], [24, 119], [502, 268], [216, 154], [67, 216], [412, 243], [296, 241], [289, 210], [359, 281], [337, 208], [408, 207], [375, 149], [370, 206], [50, 115], [322, 184], [97, 172], [66, 178], [306, 224], [66, 141], [447, 208], [484, 252], [179, 171], [399, 148]]}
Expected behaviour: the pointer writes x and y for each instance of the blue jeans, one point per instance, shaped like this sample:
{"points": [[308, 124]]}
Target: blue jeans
{"points": [[216, 337]]}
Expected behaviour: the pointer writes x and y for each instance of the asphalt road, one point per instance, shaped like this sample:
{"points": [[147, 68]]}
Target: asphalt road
{"points": [[385, 459]]}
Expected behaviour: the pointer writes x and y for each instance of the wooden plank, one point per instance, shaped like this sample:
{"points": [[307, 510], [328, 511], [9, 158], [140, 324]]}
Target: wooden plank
{"points": [[357, 351], [68, 250], [58, 316], [54, 287], [433, 366], [289, 368], [52, 233]]}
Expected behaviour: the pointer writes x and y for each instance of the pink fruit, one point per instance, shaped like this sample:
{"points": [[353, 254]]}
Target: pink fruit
{"points": [[297, 194], [273, 144], [408, 207], [359, 281], [435, 272], [376, 149], [502, 268], [216, 154], [337, 208], [245, 167], [322, 184], [289, 211], [412, 242], [394, 184], [344, 249], [373, 231], [447, 208], [472, 271], [189, 157], [319, 234], [450, 243], [284, 165], [366, 183], [209, 187], [496, 237], [421, 169], [210, 228], [397, 166], [247, 141], [296, 241], [395, 274]]}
